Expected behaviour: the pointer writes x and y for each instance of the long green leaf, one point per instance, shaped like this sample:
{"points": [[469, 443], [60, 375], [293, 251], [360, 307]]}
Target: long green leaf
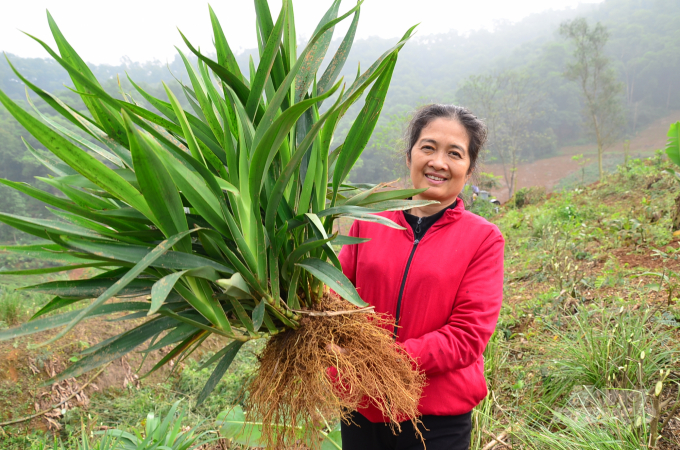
{"points": [[140, 267], [265, 65], [87, 165], [333, 278], [61, 203], [673, 144], [157, 185], [276, 197], [220, 370], [59, 269], [206, 106], [232, 80], [122, 345], [300, 251], [43, 228], [56, 321], [283, 90], [273, 138], [162, 288], [380, 62], [90, 288], [363, 126], [317, 53], [74, 137], [105, 117], [225, 57], [136, 253], [338, 62]]}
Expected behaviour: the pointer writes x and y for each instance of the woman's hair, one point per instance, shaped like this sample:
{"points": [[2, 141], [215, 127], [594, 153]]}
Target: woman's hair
{"points": [[475, 128]]}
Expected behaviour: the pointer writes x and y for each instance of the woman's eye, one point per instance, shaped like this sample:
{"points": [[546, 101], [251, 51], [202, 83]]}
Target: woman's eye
{"points": [[454, 154]]}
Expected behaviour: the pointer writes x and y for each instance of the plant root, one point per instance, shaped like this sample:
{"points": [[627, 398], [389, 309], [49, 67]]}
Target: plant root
{"points": [[303, 382]]}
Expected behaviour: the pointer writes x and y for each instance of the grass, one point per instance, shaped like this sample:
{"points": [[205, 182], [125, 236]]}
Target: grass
{"points": [[565, 368], [17, 306]]}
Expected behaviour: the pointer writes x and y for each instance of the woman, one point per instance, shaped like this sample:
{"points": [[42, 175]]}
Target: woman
{"points": [[441, 278]]}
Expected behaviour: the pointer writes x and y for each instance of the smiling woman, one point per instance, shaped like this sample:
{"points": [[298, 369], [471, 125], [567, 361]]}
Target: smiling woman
{"points": [[443, 145], [441, 278]]}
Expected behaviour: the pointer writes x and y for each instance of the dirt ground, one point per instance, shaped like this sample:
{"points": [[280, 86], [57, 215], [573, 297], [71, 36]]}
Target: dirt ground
{"points": [[23, 369], [548, 172]]}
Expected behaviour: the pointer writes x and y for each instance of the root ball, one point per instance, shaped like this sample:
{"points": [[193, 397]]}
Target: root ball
{"points": [[302, 381]]}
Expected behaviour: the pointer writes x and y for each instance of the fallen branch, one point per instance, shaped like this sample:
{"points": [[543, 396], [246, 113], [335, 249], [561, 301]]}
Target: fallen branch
{"points": [[670, 416], [496, 440], [56, 405]]}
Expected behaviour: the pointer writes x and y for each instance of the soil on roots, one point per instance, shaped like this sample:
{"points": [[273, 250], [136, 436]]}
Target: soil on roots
{"points": [[302, 381]]}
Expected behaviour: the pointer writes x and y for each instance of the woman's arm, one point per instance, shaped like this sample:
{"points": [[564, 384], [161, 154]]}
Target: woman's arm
{"points": [[463, 339]]}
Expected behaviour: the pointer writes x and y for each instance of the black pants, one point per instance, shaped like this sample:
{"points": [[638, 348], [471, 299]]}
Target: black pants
{"points": [[440, 432]]}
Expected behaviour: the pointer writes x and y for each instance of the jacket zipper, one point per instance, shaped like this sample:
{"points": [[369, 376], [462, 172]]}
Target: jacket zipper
{"points": [[403, 279]]}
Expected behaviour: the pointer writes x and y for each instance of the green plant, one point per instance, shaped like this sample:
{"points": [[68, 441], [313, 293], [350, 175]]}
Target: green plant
{"points": [[11, 310], [159, 434], [582, 163], [560, 264], [673, 143], [596, 430], [495, 357], [224, 219], [487, 181], [529, 196], [614, 350], [484, 208], [233, 425]]}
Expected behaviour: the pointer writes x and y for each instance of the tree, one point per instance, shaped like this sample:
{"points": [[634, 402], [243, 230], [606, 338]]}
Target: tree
{"points": [[510, 103], [592, 70]]}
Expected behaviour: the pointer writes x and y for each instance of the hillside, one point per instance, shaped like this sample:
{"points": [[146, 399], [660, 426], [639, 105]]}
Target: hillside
{"points": [[590, 316], [561, 170]]}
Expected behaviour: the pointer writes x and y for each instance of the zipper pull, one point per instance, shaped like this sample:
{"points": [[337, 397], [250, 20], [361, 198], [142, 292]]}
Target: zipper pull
{"points": [[416, 242], [420, 219]]}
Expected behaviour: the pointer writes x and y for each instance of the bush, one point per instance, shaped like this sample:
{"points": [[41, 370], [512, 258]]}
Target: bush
{"points": [[529, 196]]}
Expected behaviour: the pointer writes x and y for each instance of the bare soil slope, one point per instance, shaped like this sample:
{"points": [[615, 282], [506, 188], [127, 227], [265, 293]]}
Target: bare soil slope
{"points": [[548, 172]]}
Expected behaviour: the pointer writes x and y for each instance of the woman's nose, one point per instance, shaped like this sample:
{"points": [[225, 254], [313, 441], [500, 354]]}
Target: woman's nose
{"points": [[437, 161]]}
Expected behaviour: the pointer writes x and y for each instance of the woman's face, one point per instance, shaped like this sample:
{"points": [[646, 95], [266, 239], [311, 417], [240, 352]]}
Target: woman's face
{"points": [[440, 161]]}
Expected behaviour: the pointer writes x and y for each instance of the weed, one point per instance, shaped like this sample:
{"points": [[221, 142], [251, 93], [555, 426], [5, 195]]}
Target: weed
{"points": [[529, 196], [618, 350], [11, 308], [594, 429], [560, 263]]}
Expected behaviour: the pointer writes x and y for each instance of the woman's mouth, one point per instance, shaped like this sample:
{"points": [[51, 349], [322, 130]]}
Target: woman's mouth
{"points": [[435, 178]]}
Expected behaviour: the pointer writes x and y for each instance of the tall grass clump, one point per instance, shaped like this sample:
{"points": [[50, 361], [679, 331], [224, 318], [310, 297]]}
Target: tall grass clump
{"points": [[220, 220], [600, 431], [483, 415], [614, 349]]}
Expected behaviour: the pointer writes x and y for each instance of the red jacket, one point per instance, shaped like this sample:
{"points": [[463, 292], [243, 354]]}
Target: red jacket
{"points": [[450, 303]]}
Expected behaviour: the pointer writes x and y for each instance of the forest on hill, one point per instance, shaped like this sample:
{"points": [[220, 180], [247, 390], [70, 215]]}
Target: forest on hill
{"points": [[643, 49]]}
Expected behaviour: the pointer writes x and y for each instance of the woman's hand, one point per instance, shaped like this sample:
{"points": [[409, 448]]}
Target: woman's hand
{"points": [[332, 348]]}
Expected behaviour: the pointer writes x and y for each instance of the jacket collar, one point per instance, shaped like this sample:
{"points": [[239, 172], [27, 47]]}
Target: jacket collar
{"points": [[450, 216]]}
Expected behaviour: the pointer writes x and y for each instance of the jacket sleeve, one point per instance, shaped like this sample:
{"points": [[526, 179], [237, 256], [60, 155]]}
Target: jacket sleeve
{"points": [[462, 340], [348, 256]]}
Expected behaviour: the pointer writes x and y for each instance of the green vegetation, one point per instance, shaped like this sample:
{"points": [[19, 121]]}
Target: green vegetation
{"points": [[223, 217], [588, 342], [586, 352]]}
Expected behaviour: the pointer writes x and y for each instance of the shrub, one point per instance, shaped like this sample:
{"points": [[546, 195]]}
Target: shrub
{"points": [[529, 196]]}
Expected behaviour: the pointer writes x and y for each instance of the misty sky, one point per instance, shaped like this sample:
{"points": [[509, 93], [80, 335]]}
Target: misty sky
{"points": [[105, 31]]}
